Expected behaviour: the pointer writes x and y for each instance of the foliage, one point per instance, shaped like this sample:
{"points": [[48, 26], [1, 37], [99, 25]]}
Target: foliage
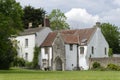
{"points": [[35, 59], [58, 20], [112, 35], [96, 65], [36, 16], [19, 62], [110, 53], [29, 65], [113, 67], [10, 24]]}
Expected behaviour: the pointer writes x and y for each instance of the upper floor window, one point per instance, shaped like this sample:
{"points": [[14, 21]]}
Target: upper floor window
{"points": [[81, 50], [71, 46], [46, 50], [92, 50], [105, 51], [26, 42]]}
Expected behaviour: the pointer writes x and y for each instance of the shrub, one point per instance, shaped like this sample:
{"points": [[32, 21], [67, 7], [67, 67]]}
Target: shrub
{"points": [[110, 53], [19, 62], [29, 64], [113, 67], [96, 65]]}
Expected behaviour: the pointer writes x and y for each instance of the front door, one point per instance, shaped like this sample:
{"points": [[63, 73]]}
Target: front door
{"points": [[58, 64]]}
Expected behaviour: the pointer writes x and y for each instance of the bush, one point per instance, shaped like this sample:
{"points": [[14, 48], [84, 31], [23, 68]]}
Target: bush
{"points": [[113, 67], [96, 65], [19, 62], [29, 64], [110, 53]]}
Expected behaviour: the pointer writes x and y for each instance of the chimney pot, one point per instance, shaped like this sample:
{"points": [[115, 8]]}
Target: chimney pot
{"points": [[30, 25], [98, 24]]}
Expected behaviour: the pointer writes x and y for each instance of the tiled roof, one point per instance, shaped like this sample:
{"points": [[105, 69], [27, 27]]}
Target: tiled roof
{"points": [[78, 36], [31, 31], [49, 40], [70, 39]]}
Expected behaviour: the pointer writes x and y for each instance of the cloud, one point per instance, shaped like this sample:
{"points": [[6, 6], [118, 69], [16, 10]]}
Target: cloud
{"points": [[117, 2], [112, 16], [80, 18]]}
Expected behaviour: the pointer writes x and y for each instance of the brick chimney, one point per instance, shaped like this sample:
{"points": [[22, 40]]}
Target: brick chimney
{"points": [[46, 22]]}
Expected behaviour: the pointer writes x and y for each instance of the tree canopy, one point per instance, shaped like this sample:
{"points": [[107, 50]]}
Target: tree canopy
{"points": [[35, 16], [10, 24], [58, 20], [112, 35]]}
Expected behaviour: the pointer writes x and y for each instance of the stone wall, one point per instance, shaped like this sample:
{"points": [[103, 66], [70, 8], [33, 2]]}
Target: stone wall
{"points": [[104, 61]]}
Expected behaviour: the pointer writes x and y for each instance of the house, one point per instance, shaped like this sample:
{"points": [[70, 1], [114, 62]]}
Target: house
{"points": [[71, 49], [29, 38]]}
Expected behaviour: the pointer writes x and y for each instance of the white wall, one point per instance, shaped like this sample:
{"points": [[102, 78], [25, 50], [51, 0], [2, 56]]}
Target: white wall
{"points": [[71, 57], [45, 56], [99, 43], [82, 58], [41, 35], [23, 49]]}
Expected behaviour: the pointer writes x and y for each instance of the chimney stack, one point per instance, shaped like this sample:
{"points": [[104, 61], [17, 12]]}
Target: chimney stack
{"points": [[98, 24], [30, 25], [46, 22]]}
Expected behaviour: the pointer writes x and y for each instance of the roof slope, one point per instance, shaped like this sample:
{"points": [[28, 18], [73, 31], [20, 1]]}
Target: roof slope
{"points": [[31, 31], [78, 36]]}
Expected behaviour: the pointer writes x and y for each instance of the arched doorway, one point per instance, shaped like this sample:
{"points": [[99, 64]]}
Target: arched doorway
{"points": [[58, 64]]}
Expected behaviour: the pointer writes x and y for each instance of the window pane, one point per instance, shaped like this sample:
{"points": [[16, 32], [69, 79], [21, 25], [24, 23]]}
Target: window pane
{"points": [[71, 46], [26, 42], [92, 50], [81, 50], [46, 50]]}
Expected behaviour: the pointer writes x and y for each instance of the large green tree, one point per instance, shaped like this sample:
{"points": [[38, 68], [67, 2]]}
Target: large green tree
{"points": [[112, 35], [35, 16], [58, 20], [10, 24]]}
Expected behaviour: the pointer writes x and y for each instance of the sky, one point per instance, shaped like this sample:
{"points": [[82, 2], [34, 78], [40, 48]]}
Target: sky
{"points": [[81, 13]]}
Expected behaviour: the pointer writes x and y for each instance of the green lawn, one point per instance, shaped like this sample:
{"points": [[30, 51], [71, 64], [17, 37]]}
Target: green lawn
{"points": [[19, 74]]}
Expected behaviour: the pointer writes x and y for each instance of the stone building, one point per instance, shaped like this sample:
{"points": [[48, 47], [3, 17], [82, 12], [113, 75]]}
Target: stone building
{"points": [[71, 49]]}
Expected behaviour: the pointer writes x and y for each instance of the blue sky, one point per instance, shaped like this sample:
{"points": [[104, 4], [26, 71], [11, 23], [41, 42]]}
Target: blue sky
{"points": [[81, 13]]}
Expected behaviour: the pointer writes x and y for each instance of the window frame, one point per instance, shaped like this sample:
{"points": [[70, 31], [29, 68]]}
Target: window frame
{"points": [[26, 42], [82, 50], [71, 47], [92, 49]]}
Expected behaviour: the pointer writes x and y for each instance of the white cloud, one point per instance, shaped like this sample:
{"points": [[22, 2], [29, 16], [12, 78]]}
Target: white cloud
{"points": [[117, 2], [80, 18]]}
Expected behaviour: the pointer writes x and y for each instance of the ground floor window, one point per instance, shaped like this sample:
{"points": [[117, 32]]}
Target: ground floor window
{"points": [[26, 56]]}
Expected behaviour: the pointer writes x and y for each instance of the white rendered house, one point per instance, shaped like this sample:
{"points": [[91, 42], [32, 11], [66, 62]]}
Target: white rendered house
{"points": [[70, 49], [28, 39]]}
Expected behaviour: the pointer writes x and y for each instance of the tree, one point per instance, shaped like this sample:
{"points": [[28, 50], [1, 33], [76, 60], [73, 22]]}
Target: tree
{"points": [[58, 20], [10, 24], [112, 35], [36, 16]]}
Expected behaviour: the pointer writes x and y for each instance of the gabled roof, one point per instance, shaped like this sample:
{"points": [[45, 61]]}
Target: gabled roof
{"points": [[31, 31], [78, 36]]}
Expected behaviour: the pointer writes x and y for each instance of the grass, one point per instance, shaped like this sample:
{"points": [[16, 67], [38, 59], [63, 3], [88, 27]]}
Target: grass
{"points": [[22, 74]]}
